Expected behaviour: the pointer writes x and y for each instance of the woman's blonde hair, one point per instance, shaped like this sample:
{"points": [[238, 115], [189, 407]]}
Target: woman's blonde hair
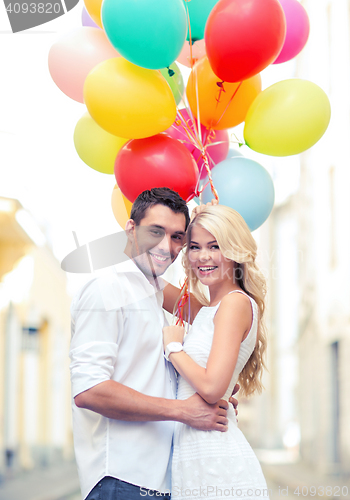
{"points": [[237, 244]]}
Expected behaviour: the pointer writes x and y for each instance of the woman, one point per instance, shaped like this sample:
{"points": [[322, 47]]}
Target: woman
{"points": [[225, 345]]}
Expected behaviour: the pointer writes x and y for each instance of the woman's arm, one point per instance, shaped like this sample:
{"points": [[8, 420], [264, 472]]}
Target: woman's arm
{"points": [[171, 294], [232, 321]]}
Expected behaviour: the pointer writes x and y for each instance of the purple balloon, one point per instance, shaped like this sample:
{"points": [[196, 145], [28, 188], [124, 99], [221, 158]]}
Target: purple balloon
{"points": [[86, 19], [298, 28]]}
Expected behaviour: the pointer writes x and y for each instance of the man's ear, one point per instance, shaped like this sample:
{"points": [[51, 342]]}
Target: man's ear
{"points": [[129, 229]]}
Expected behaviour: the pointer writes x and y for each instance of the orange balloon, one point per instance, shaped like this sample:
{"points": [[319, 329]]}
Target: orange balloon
{"points": [[94, 9], [221, 105], [121, 207]]}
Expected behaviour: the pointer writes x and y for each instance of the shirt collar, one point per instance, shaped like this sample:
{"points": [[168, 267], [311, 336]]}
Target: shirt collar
{"points": [[129, 266]]}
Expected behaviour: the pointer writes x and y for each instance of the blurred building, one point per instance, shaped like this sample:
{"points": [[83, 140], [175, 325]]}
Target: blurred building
{"points": [[35, 424], [324, 241], [307, 241]]}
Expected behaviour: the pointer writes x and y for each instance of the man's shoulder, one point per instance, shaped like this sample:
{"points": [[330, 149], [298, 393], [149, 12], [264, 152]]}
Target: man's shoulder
{"points": [[98, 292]]}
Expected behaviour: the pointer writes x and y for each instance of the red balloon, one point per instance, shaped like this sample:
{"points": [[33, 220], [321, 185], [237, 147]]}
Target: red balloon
{"points": [[157, 161], [243, 37]]}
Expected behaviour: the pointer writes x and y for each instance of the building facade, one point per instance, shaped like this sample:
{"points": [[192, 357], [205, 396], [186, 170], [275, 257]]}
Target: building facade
{"points": [[34, 340]]}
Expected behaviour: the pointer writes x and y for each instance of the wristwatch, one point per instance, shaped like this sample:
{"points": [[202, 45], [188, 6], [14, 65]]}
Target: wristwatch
{"points": [[172, 347]]}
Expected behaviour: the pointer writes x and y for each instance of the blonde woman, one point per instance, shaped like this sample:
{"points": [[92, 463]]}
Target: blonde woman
{"points": [[225, 344]]}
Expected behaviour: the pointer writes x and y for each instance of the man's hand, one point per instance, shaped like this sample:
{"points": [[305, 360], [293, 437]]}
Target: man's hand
{"points": [[173, 334], [198, 209], [203, 416], [233, 400]]}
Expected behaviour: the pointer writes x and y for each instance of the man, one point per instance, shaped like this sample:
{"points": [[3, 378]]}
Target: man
{"points": [[124, 390]]}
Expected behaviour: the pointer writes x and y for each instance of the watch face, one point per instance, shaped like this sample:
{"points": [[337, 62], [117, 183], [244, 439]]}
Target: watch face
{"points": [[172, 347]]}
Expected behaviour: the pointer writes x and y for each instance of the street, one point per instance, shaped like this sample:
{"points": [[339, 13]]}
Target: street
{"points": [[292, 480]]}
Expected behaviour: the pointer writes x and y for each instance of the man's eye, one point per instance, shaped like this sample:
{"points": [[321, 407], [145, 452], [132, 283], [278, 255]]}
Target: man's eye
{"points": [[156, 233]]}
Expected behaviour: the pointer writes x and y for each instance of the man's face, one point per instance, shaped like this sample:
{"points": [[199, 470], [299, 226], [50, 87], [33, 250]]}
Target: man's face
{"points": [[158, 240]]}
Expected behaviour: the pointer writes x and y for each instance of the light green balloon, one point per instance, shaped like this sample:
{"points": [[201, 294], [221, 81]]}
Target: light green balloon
{"points": [[175, 81], [287, 118], [199, 11]]}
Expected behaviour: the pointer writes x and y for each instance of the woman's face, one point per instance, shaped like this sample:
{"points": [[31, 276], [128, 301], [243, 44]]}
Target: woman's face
{"points": [[206, 259]]}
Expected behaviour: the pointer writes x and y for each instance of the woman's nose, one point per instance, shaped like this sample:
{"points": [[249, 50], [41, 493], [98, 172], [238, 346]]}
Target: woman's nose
{"points": [[204, 254]]}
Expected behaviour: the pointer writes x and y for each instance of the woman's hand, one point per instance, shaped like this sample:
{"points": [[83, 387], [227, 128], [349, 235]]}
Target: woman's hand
{"points": [[173, 334], [198, 209]]}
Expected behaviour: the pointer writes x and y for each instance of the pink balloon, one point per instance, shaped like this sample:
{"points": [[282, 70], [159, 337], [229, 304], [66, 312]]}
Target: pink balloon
{"points": [[198, 51], [73, 57], [216, 142], [86, 20], [298, 28]]}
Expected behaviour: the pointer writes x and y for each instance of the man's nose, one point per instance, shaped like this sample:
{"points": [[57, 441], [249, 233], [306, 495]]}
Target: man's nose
{"points": [[164, 245]]}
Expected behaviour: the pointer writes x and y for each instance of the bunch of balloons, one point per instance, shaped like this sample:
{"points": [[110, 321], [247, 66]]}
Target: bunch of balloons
{"points": [[146, 128]]}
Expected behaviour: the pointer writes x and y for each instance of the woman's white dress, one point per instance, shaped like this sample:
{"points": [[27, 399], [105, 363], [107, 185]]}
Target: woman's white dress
{"points": [[213, 464]]}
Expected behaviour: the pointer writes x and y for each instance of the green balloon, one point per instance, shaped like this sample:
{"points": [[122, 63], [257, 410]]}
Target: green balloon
{"points": [[175, 81], [148, 33], [199, 11]]}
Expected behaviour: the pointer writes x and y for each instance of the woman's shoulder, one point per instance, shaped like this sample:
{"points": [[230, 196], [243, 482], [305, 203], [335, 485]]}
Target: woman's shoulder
{"points": [[236, 304], [238, 298]]}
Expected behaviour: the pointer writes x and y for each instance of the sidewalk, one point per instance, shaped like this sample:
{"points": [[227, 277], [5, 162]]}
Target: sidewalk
{"points": [[297, 479], [59, 482]]}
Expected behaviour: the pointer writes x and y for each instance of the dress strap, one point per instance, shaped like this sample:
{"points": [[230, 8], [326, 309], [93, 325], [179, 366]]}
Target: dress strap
{"points": [[239, 291], [252, 301]]}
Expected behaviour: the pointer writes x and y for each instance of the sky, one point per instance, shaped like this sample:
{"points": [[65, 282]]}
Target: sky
{"points": [[38, 162]]}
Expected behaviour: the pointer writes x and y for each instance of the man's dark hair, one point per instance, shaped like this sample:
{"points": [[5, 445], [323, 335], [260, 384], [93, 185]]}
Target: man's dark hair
{"points": [[158, 196]]}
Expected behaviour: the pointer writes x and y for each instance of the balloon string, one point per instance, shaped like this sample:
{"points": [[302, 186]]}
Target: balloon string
{"points": [[197, 99], [184, 291], [189, 32], [188, 130], [233, 96], [222, 89], [198, 192], [206, 164], [192, 62], [197, 130]]}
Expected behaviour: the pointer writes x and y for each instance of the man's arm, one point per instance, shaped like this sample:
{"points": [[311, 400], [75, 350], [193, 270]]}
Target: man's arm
{"points": [[94, 352], [114, 400]]}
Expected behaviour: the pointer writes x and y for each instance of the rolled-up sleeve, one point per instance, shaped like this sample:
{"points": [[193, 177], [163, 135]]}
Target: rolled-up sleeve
{"points": [[94, 344]]}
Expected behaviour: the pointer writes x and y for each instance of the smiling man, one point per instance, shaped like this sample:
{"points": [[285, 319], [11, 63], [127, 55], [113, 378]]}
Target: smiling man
{"points": [[124, 390]]}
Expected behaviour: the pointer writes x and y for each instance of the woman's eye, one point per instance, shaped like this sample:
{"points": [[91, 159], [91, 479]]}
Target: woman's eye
{"points": [[193, 247], [215, 247]]}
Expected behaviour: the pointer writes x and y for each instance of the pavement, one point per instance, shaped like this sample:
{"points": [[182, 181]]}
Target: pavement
{"points": [[285, 478], [58, 482], [299, 480]]}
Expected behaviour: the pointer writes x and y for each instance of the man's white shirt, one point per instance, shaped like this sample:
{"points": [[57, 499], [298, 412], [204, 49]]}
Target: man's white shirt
{"points": [[117, 322]]}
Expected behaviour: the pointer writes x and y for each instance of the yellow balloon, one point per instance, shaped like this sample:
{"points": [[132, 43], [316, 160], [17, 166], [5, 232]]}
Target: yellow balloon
{"points": [[121, 207], [94, 9], [129, 101], [287, 118], [96, 147]]}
